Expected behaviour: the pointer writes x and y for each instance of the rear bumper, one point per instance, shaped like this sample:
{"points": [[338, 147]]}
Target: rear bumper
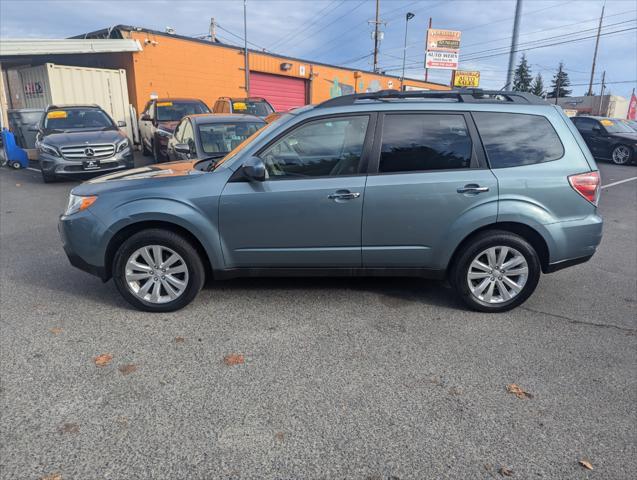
{"points": [[574, 241], [554, 267]]}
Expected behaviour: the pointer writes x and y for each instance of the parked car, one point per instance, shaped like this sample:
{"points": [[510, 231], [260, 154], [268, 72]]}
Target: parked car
{"points": [[158, 120], [80, 140], [256, 106], [608, 138], [631, 123], [210, 136], [487, 189]]}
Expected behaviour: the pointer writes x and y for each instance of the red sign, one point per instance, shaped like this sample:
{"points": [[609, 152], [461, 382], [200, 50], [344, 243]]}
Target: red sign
{"points": [[632, 107]]}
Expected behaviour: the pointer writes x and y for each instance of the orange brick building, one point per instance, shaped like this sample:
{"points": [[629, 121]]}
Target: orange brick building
{"points": [[176, 66]]}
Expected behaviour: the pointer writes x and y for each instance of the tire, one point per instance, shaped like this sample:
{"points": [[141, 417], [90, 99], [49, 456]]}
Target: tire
{"points": [[16, 165], [156, 157], [621, 155], [477, 248], [145, 151], [171, 243], [47, 177]]}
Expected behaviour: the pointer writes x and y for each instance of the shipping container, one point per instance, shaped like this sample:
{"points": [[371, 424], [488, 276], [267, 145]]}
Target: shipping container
{"points": [[62, 84]]}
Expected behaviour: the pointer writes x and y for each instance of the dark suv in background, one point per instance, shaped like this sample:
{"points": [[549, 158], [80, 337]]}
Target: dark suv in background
{"points": [[608, 138], [257, 106], [159, 119], [76, 140]]}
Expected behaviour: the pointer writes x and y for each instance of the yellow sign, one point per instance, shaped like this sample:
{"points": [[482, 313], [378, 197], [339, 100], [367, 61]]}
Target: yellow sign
{"points": [[164, 104], [466, 79], [607, 123], [239, 106], [57, 114]]}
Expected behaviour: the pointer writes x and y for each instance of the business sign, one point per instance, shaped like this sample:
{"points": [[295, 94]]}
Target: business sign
{"points": [[442, 49], [466, 79], [444, 60]]}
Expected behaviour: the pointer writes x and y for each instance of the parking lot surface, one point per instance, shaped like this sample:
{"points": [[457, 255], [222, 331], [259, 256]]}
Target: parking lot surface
{"points": [[313, 378]]}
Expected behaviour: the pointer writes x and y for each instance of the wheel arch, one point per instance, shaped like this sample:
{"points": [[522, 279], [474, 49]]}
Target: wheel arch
{"points": [[127, 231], [530, 234]]}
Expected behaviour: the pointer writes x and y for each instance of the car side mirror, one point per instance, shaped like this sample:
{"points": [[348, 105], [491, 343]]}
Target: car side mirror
{"points": [[254, 169], [597, 129], [145, 118], [121, 123], [182, 148]]}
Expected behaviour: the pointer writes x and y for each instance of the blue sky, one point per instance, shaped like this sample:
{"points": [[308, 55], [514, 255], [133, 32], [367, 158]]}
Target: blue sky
{"points": [[337, 31]]}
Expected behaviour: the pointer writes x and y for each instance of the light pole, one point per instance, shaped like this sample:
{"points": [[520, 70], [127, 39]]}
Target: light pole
{"points": [[246, 63], [408, 17]]}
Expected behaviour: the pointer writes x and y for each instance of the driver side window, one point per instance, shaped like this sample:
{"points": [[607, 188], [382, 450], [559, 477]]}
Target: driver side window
{"points": [[321, 148]]}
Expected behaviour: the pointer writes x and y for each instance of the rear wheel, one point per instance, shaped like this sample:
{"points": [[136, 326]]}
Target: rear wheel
{"points": [[158, 271], [621, 155], [496, 271]]}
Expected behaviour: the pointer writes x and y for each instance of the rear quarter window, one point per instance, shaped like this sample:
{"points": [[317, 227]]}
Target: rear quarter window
{"points": [[515, 139]]}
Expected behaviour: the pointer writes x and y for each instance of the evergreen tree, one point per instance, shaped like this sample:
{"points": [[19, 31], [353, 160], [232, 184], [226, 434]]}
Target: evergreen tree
{"points": [[522, 76], [561, 79], [537, 88]]}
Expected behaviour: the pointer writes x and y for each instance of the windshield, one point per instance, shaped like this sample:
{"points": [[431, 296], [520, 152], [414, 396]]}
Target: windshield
{"points": [[260, 108], [266, 128], [175, 111], [77, 118], [615, 126], [223, 137]]}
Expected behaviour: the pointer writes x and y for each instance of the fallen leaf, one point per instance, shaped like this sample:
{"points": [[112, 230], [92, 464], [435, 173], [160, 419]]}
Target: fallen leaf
{"points": [[233, 359], [279, 436], [69, 428], [586, 464], [103, 360], [518, 391], [53, 476], [505, 472], [122, 421], [180, 339], [56, 330], [126, 369], [18, 184]]}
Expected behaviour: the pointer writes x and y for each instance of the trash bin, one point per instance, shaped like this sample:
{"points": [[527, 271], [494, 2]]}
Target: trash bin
{"points": [[20, 121]]}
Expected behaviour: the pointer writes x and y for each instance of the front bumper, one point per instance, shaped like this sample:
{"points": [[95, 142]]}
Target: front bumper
{"points": [[60, 166], [82, 236]]}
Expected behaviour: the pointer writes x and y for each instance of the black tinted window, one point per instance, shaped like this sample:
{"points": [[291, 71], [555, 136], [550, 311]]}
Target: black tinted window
{"points": [[416, 142], [317, 149], [585, 124], [513, 139]]}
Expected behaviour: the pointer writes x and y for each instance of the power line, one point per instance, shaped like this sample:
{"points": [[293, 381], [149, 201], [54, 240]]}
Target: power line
{"points": [[260, 47]]}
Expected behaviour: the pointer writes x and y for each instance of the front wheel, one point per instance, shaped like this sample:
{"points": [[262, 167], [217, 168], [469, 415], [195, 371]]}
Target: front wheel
{"points": [[158, 271], [621, 155], [496, 271]]}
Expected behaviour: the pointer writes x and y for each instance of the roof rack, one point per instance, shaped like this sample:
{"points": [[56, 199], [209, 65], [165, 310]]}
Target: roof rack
{"points": [[465, 95]]}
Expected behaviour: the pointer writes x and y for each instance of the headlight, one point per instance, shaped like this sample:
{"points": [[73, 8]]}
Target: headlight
{"points": [[123, 145], [77, 203], [50, 149], [164, 133]]}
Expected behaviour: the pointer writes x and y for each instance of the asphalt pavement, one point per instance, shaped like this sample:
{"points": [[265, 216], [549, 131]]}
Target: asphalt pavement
{"points": [[313, 378]]}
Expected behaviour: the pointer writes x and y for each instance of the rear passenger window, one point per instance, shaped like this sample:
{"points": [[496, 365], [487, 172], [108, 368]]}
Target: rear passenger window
{"points": [[421, 142], [514, 139]]}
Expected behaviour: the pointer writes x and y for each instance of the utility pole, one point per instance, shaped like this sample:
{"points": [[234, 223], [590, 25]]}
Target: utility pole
{"points": [[601, 95], [213, 30], [377, 22], [599, 30], [408, 17], [427, 46], [246, 63], [514, 43]]}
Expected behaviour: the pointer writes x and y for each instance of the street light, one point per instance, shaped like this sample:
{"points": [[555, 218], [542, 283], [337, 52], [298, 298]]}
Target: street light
{"points": [[408, 17]]}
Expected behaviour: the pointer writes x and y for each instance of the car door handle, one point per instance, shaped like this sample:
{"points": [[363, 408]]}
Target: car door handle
{"points": [[472, 188], [340, 195]]}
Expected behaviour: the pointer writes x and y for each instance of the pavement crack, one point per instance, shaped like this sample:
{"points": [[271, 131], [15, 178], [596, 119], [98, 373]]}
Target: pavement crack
{"points": [[582, 322]]}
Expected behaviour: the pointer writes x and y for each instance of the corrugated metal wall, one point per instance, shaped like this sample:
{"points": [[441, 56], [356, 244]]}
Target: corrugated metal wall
{"points": [[283, 93]]}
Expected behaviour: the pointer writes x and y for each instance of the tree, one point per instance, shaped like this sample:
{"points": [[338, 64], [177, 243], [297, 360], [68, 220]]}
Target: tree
{"points": [[537, 88], [522, 76], [560, 83]]}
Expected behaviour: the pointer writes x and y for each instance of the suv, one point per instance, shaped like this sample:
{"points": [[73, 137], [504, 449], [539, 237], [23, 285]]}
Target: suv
{"points": [[256, 106], [486, 189], [608, 138], [76, 140], [159, 119]]}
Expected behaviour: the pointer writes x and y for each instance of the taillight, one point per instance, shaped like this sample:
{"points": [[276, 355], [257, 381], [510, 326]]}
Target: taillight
{"points": [[587, 185]]}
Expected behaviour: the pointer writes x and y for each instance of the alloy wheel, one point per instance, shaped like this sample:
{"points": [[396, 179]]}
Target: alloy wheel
{"points": [[156, 274], [497, 274], [621, 155]]}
